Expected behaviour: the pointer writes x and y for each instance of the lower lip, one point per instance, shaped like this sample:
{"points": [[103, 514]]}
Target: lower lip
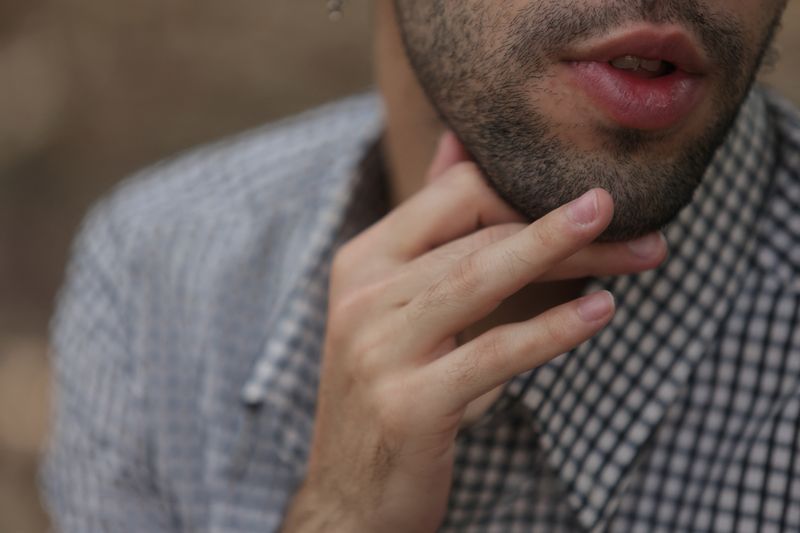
{"points": [[639, 103]]}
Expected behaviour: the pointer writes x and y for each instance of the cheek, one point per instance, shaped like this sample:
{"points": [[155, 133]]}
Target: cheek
{"points": [[755, 16], [749, 10], [566, 111]]}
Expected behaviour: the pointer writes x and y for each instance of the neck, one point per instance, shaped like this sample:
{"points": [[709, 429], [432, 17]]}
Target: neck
{"points": [[413, 126], [412, 132]]}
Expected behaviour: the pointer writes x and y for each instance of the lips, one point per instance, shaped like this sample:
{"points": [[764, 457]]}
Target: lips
{"points": [[647, 79]]}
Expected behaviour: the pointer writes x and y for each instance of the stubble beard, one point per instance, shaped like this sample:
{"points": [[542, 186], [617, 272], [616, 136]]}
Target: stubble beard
{"points": [[483, 92]]}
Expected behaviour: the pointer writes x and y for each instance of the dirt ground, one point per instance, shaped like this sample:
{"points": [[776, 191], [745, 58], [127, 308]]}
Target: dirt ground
{"points": [[94, 90]]}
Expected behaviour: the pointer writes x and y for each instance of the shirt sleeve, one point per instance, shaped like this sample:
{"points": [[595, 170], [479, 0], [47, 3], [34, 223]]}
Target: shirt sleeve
{"points": [[98, 473]]}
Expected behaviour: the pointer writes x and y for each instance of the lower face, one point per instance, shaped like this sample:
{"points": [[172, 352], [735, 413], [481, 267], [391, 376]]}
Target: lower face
{"points": [[554, 97]]}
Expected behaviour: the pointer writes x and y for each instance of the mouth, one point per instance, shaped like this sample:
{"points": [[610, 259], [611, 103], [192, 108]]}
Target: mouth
{"points": [[648, 79]]}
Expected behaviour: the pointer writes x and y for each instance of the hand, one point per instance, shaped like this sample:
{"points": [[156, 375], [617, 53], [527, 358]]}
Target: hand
{"points": [[394, 384]]}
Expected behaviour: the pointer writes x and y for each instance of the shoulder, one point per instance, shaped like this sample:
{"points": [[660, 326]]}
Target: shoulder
{"points": [[252, 174], [218, 227], [171, 284], [195, 253], [241, 199]]}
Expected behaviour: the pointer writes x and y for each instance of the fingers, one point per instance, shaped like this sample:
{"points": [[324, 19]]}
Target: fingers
{"points": [[479, 282], [457, 203], [596, 260], [498, 355], [449, 153], [612, 259]]}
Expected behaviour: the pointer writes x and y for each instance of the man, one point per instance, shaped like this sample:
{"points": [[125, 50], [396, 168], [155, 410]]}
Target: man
{"points": [[307, 330]]}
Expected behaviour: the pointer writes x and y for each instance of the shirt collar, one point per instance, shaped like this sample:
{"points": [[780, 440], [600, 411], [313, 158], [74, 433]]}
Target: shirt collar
{"points": [[782, 217], [596, 406], [348, 202]]}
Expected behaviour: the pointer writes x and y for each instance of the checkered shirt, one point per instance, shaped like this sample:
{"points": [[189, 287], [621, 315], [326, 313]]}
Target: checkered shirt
{"points": [[187, 346]]}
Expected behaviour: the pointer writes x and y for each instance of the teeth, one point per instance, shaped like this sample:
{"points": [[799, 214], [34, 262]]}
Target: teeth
{"points": [[637, 63], [651, 65], [626, 62]]}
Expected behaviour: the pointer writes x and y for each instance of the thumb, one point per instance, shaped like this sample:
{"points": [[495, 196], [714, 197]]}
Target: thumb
{"points": [[449, 152]]}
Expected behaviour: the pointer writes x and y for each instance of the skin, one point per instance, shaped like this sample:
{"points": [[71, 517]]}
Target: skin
{"points": [[499, 77], [454, 292]]}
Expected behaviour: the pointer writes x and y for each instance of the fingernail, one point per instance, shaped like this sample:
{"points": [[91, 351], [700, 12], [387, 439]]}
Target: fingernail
{"points": [[646, 246], [595, 306], [584, 210]]}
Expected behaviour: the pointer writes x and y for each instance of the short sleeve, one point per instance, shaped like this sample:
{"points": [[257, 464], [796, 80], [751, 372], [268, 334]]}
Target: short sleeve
{"points": [[98, 473]]}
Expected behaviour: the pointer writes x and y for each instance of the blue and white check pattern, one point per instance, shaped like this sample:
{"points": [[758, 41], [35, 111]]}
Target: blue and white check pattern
{"points": [[188, 338]]}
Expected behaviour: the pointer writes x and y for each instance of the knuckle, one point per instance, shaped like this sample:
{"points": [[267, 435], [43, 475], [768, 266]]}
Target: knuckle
{"points": [[494, 346], [556, 331], [344, 258], [474, 177], [346, 323], [418, 308], [486, 236], [466, 179], [547, 237], [512, 263], [349, 307], [467, 369], [362, 302], [466, 276], [481, 239], [466, 171], [372, 342], [488, 353], [496, 233], [432, 298], [366, 353], [463, 279]]}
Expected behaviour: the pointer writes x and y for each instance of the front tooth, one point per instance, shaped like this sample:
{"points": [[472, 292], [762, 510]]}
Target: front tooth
{"points": [[651, 65], [626, 62]]}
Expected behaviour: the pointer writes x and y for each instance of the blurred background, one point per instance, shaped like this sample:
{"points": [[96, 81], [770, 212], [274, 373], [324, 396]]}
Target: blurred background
{"points": [[93, 90]]}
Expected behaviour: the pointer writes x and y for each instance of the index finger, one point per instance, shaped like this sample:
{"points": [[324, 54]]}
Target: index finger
{"points": [[479, 282], [457, 203]]}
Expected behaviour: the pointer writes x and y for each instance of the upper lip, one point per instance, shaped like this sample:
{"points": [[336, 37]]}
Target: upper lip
{"points": [[672, 44]]}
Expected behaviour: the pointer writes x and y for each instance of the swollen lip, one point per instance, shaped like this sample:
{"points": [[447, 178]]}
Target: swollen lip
{"points": [[637, 102]]}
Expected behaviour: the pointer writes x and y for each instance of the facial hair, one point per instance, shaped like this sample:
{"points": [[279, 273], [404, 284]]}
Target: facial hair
{"points": [[481, 80]]}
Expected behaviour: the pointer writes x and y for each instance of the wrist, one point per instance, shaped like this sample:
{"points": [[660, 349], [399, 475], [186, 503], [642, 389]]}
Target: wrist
{"points": [[316, 511]]}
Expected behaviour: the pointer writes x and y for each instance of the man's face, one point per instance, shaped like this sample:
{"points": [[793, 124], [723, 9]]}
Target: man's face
{"points": [[554, 97]]}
